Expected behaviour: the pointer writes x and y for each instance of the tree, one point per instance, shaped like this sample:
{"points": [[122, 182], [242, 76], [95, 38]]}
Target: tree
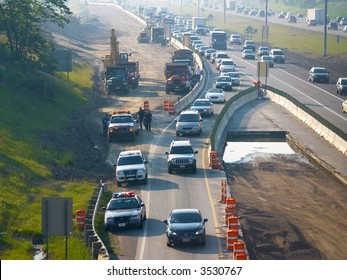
{"points": [[22, 22]]}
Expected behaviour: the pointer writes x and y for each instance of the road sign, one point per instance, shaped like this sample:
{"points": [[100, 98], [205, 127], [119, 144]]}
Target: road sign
{"points": [[262, 69], [210, 17]]}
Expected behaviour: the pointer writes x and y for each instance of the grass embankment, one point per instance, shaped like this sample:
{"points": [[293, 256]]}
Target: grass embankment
{"points": [[31, 104]]}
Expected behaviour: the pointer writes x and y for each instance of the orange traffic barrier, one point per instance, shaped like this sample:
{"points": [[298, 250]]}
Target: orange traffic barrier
{"points": [[233, 222], [228, 212], [214, 160], [146, 105], [80, 216], [240, 256], [171, 109], [231, 201], [166, 104], [232, 236], [224, 191]]}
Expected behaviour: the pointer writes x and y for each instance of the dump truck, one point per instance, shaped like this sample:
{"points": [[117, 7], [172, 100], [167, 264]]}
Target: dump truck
{"points": [[115, 64], [178, 77]]}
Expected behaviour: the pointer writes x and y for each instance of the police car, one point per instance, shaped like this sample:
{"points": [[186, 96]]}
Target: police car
{"points": [[131, 167], [123, 210]]}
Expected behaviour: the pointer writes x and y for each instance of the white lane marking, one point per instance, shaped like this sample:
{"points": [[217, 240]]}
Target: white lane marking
{"points": [[315, 101]]}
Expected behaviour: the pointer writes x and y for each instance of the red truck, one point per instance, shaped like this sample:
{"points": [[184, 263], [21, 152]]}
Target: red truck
{"points": [[178, 77]]}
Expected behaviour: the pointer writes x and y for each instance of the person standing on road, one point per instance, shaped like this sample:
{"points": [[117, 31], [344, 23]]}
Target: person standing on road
{"points": [[147, 120], [197, 73], [141, 114], [105, 121]]}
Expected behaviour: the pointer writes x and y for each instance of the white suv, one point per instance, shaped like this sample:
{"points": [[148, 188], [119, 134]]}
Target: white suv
{"points": [[277, 55], [131, 167], [181, 156]]}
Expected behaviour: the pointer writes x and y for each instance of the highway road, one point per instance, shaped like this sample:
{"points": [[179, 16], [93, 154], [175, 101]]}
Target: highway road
{"points": [[164, 191]]}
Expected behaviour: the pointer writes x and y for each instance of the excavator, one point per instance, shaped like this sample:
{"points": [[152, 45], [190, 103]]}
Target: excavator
{"points": [[119, 73]]}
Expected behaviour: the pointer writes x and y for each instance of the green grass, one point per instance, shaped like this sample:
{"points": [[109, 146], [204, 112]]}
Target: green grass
{"points": [[34, 103]]}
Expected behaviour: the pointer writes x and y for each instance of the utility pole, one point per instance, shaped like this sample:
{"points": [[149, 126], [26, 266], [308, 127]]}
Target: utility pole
{"points": [[325, 28]]}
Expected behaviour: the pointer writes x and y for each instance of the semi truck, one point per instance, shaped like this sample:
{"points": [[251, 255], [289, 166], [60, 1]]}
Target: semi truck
{"points": [[317, 15]]}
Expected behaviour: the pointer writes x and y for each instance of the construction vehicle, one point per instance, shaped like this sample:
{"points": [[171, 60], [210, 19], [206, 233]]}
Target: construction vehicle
{"points": [[178, 77], [119, 73]]}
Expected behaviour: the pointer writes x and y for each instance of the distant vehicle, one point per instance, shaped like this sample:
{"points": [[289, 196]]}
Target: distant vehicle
{"points": [[235, 39], [299, 15], [343, 21], [292, 19], [268, 59], [311, 22], [218, 40], [185, 226], [249, 44], [224, 83], [203, 106], [344, 106], [261, 13], [189, 122], [344, 28], [341, 85], [215, 95], [263, 50], [208, 53], [248, 54], [318, 74], [226, 62], [277, 55], [202, 50], [235, 77], [181, 156], [333, 25], [123, 210]]}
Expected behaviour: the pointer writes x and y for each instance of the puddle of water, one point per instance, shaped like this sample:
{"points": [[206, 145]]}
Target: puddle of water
{"points": [[238, 152]]}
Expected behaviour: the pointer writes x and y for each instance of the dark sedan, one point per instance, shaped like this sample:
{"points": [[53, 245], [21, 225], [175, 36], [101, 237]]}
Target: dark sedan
{"points": [[185, 226]]}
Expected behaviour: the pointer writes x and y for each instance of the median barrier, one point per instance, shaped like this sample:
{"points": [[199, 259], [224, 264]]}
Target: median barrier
{"points": [[337, 139], [339, 142]]}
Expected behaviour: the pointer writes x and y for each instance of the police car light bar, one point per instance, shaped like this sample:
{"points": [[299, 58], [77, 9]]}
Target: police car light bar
{"points": [[123, 194]]}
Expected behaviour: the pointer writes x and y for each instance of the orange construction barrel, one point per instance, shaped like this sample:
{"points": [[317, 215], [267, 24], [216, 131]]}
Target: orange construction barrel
{"points": [[146, 105], [80, 216]]}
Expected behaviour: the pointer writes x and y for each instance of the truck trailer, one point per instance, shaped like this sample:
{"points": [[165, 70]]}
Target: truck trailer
{"points": [[317, 15]]}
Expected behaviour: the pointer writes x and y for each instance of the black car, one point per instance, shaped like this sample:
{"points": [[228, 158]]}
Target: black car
{"points": [[318, 74], [333, 25], [249, 44], [185, 226]]}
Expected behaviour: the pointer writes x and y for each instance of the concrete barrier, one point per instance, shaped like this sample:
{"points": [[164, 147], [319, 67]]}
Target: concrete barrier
{"points": [[310, 121]]}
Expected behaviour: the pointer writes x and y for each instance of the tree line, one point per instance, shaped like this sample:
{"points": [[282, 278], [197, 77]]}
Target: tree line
{"points": [[23, 32]]}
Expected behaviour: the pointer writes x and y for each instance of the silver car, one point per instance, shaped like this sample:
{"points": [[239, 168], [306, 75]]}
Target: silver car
{"points": [[203, 106], [189, 122]]}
